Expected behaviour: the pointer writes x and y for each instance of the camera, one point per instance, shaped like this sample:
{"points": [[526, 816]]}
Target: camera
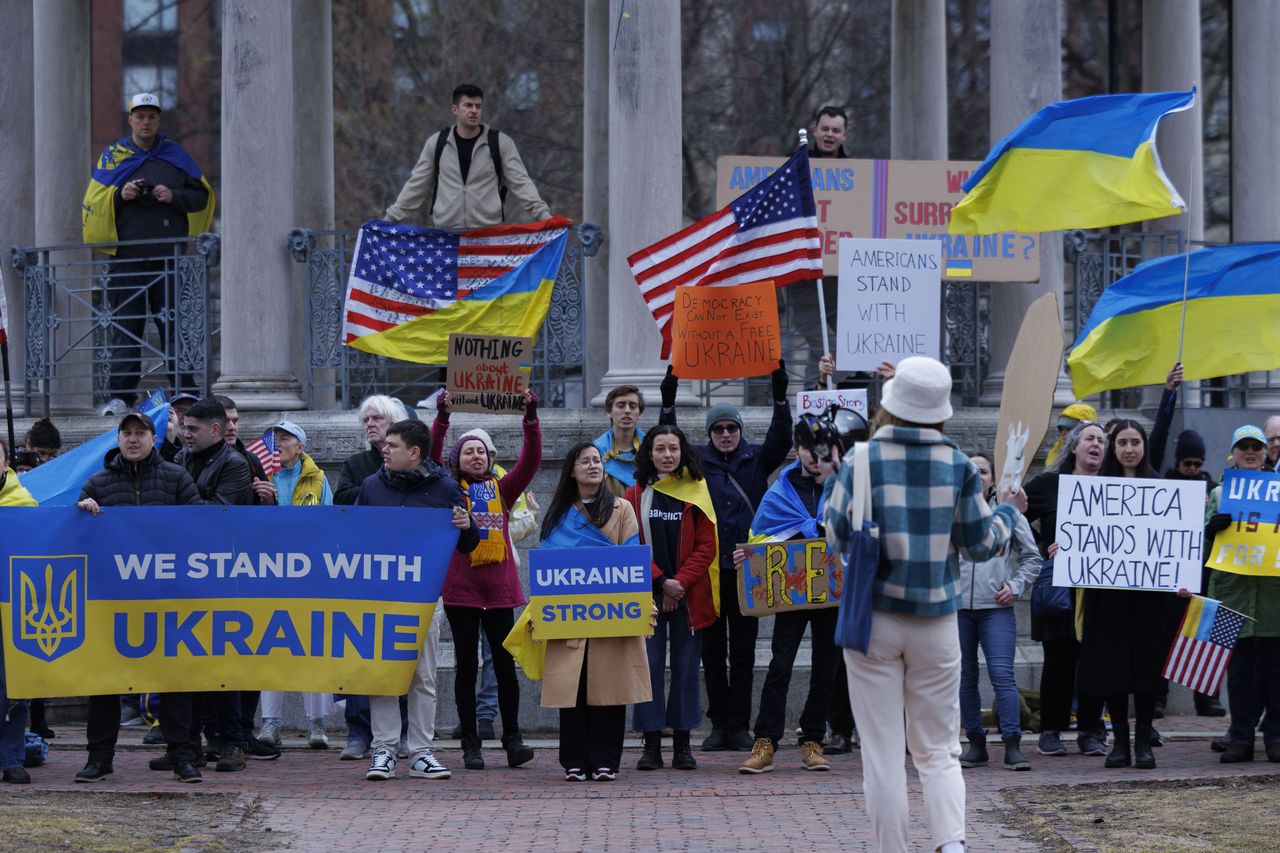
{"points": [[144, 188], [836, 427], [25, 460]]}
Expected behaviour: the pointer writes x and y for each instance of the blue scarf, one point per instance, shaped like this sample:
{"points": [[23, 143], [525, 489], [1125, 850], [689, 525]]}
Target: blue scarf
{"points": [[575, 530], [782, 514], [618, 464]]}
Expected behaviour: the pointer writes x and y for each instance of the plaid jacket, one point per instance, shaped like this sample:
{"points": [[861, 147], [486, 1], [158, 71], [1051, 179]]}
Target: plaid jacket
{"points": [[927, 500]]}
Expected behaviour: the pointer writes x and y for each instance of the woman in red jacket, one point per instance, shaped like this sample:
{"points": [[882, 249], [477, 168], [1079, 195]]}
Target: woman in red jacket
{"points": [[482, 589], [678, 522]]}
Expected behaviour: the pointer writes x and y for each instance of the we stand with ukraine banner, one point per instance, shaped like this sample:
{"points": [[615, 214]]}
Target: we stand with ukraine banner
{"points": [[218, 598]]}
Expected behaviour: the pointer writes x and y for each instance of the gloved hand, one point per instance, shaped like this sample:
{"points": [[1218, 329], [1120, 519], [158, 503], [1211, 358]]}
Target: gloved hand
{"points": [[669, 386], [778, 379], [443, 402], [1219, 522], [530, 405]]}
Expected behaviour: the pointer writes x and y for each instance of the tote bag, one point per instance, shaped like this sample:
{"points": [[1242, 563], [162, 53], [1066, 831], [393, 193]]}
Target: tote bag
{"points": [[862, 558]]}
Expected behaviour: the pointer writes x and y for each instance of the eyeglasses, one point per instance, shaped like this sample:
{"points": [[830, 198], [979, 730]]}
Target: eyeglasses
{"points": [[588, 463], [721, 429], [1191, 463]]}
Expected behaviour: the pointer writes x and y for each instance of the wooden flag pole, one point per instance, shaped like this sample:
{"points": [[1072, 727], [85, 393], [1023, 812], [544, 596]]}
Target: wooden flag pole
{"points": [[822, 300]]}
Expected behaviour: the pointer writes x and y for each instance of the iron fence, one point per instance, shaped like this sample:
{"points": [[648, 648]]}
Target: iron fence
{"points": [[100, 326]]}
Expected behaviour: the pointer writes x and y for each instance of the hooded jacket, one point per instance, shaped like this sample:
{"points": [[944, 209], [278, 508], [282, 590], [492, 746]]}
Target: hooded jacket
{"points": [[149, 482]]}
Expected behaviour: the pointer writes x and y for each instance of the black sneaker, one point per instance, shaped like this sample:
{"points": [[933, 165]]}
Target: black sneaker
{"points": [[714, 742], [604, 774], [187, 772], [17, 776], [739, 741], [231, 760], [1050, 743], [94, 771], [153, 737], [485, 729], [1090, 744], [259, 750]]}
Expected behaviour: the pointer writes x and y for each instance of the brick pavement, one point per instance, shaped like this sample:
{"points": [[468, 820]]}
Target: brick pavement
{"points": [[312, 801]]}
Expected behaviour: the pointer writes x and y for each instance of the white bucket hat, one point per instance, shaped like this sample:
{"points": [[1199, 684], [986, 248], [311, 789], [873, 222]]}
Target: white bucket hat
{"points": [[920, 391]]}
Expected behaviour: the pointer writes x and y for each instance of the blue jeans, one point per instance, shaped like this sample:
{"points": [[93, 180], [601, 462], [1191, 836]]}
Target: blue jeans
{"points": [[13, 725], [681, 710], [996, 631]]}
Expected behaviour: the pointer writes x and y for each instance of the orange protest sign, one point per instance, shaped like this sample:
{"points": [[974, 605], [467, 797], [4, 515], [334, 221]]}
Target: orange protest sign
{"points": [[725, 332]]}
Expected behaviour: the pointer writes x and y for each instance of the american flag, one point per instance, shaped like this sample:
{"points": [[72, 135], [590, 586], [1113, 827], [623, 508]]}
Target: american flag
{"points": [[1203, 646], [768, 233], [267, 451], [402, 272]]}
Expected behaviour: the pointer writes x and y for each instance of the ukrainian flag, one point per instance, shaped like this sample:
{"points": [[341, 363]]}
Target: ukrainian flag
{"points": [[1232, 325], [1087, 163]]}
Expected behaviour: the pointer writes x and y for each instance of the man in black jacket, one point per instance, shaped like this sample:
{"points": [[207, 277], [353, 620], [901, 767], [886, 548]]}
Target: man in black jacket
{"points": [[737, 474], [134, 474]]}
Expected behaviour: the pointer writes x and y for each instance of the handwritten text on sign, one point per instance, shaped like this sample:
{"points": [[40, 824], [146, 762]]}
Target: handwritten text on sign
{"points": [[1129, 533], [489, 373], [1251, 545], [817, 402], [605, 591], [725, 332], [889, 304], [783, 576]]}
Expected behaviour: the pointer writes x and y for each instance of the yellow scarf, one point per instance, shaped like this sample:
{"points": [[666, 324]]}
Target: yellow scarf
{"points": [[695, 492], [484, 501], [310, 485]]}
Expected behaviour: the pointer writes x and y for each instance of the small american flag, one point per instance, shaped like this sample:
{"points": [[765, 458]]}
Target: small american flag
{"points": [[768, 233], [1203, 646], [267, 451]]}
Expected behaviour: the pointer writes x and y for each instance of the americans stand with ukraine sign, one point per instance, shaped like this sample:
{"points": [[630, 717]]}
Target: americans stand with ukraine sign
{"points": [[218, 598]]}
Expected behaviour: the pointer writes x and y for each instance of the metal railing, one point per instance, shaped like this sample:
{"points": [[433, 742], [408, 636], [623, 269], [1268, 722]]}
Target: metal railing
{"points": [[99, 326], [338, 373]]}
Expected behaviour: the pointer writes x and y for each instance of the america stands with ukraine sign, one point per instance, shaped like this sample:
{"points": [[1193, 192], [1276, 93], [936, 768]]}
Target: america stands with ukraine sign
{"points": [[211, 598]]}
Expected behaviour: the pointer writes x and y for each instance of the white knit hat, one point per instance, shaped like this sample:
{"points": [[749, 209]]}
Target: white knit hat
{"points": [[920, 391]]}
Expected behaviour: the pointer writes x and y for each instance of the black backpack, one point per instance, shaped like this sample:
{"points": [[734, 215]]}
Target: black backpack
{"points": [[442, 139]]}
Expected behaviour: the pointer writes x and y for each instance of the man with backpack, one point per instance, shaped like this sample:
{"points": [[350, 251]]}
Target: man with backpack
{"points": [[464, 172]]}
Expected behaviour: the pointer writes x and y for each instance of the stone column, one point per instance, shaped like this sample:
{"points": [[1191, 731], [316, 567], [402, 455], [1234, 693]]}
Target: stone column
{"points": [[1026, 74], [62, 159], [17, 179], [595, 185], [1171, 62], [313, 204], [257, 206], [918, 69], [1255, 122], [645, 188]]}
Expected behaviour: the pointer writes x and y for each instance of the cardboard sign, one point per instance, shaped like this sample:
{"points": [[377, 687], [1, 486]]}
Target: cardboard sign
{"points": [[1026, 402], [1129, 533], [489, 373], [1251, 545], [890, 302], [726, 332], [782, 576], [605, 591], [817, 402], [911, 199]]}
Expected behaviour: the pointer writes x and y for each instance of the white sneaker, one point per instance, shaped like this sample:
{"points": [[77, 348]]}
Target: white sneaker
{"points": [[383, 766], [317, 739], [270, 732], [427, 766]]}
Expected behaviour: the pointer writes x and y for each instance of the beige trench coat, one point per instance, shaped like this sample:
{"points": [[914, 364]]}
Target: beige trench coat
{"points": [[617, 667]]}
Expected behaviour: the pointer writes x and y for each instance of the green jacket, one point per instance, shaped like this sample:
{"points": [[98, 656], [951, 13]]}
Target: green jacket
{"points": [[1258, 597]]}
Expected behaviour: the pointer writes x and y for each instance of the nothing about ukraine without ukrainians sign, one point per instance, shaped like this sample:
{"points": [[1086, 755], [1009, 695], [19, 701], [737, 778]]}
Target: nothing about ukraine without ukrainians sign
{"points": [[315, 599]]}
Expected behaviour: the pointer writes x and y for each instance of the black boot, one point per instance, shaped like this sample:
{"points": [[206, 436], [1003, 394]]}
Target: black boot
{"points": [[651, 758], [471, 756], [517, 752], [1013, 757], [1143, 757], [681, 753], [976, 754], [1162, 700], [1209, 706], [1119, 755]]}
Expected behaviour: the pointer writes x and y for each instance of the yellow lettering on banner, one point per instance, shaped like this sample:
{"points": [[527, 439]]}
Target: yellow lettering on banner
{"points": [[776, 565], [815, 557]]}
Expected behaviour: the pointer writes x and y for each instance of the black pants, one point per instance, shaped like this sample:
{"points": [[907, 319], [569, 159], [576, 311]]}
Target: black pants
{"points": [[218, 712], [248, 708], [788, 631], [732, 636], [139, 290], [465, 623], [1058, 684], [103, 728], [1253, 688], [591, 735], [841, 713], [1144, 709], [180, 724]]}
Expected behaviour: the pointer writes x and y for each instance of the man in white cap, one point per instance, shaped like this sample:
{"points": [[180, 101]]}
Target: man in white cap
{"points": [[144, 187]]}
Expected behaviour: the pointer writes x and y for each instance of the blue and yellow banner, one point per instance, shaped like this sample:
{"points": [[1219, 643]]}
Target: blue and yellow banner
{"points": [[590, 592], [1251, 545], [158, 599], [798, 574]]}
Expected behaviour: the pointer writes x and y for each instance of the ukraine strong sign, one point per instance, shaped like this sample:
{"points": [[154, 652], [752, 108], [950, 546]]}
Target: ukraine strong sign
{"points": [[317, 599], [591, 592]]}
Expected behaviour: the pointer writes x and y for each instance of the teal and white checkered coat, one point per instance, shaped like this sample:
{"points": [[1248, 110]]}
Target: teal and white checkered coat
{"points": [[927, 500]]}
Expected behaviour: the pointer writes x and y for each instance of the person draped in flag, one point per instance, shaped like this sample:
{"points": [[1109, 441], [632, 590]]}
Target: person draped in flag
{"points": [[619, 443], [678, 522], [1253, 674], [591, 680], [482, 588]]}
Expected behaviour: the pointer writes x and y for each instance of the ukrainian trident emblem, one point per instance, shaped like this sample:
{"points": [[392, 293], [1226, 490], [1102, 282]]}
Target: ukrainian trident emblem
{"points": [[51, 605]]}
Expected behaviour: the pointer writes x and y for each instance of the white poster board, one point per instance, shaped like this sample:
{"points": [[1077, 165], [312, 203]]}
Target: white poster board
{"points": [[890, 301], [816, 402], [1126, 533]]}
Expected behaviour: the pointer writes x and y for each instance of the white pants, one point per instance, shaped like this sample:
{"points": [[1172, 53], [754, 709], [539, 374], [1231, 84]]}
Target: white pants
{"points": [[384, 711], [316, 705], [911, 671]]}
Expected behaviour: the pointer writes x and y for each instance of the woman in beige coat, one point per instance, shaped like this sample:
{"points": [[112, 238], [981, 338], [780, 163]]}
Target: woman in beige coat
{"points": [[591, 681]]}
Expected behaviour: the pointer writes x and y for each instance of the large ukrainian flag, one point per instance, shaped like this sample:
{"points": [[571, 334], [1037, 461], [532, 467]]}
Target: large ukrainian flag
{"points": [[1232, 326], [1087, 163]]}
